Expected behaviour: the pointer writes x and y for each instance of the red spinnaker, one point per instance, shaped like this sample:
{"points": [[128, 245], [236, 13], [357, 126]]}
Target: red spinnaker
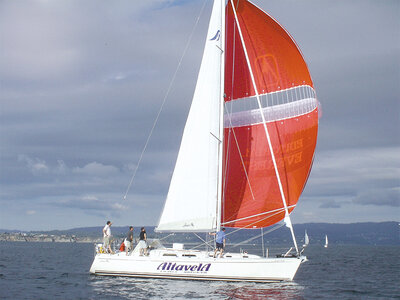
{"points": [[251, 196]]}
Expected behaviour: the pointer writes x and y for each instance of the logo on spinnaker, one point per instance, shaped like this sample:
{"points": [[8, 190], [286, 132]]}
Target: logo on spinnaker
{"points": [[216, 36]]}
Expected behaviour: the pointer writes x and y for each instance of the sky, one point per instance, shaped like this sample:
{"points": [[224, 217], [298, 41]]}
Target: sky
{"points": [[81, 83]]}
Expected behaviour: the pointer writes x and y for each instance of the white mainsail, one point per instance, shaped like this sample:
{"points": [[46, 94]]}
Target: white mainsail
{"points": [[191, 203], [326, 241]]}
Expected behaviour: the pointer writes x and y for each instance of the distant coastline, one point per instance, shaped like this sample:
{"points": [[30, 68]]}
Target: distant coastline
{"points": [[43, 237], [368, 233]]}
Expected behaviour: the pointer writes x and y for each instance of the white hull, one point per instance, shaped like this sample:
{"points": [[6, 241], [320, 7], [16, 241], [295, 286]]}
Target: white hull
{"points": [[197, 265]]}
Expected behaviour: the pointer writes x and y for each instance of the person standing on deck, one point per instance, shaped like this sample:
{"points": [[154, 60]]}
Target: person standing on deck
{"points": [[107, 237], [219, 241], [129, 240], [143, 242]]}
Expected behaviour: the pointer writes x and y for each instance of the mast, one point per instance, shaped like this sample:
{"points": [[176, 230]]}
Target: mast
{"points": [[221, 117], [287, 219]]}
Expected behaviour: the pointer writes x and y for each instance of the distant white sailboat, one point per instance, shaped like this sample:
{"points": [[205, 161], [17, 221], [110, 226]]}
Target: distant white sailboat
{"points": [[306, 240], [326, 241]]}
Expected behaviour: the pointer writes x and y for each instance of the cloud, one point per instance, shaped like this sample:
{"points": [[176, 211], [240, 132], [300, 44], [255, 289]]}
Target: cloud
{"points": [[388, 197], [89, 198], [39, 166], [91, 203], [363, 176], [61, 167], [118, 206], [36, 165], [330, 204], [96, 169]]}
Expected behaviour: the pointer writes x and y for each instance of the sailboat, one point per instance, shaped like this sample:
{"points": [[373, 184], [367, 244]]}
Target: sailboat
{"points": [[326, 241], [306, 239], [245, 156]]}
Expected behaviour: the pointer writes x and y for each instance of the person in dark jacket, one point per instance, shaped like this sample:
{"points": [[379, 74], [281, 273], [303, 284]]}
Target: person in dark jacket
{"points": [[143, 242], [129, 240]]}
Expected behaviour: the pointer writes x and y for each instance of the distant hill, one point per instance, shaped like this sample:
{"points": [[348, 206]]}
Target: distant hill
{"points": [[383, 233]]}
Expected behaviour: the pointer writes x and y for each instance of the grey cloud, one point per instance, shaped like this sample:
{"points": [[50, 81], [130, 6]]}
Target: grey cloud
{"points": [[36, 166], [331, 204], [387, 197], [96, 169], [90, 203], [355, 175]]}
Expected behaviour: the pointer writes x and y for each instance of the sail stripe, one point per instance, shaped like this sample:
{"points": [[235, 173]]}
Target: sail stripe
{"points": [[271, 99], [271, 114]]}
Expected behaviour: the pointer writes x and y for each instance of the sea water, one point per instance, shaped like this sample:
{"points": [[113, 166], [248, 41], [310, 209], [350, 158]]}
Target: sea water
{"points": [[61, 271]]}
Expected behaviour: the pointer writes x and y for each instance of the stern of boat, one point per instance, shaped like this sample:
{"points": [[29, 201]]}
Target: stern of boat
{"points": [[98, 251]]}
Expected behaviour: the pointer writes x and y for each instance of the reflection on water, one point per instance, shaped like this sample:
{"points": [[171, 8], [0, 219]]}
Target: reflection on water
{"points": [[287, 290], [125, 287]]}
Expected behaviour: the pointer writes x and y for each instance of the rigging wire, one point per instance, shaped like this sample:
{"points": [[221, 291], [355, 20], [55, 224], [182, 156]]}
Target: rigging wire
{"points": [[241, 157], [257, 236], [246, 227], [165, 98]]}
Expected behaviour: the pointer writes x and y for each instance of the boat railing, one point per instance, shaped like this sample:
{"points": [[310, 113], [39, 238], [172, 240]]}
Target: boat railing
{"points": [[288, 252]]}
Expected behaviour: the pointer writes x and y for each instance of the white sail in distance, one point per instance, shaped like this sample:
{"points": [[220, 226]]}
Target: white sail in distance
{"points": [[306, 239]]}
